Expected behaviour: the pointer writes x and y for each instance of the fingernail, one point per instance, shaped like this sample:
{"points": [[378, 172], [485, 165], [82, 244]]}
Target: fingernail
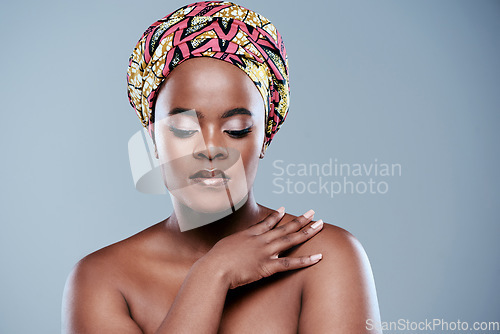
{"points": [[317, 224], [309, 214], [281, 210], [316, 257]]}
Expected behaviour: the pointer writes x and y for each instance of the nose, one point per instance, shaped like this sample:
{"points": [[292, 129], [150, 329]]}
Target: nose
{"points": [[212, 148], [212, 153]]}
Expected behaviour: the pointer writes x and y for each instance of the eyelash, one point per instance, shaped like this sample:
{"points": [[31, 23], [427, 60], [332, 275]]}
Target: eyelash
{"points": [[232, 133], [182, 133], [239, 133]]}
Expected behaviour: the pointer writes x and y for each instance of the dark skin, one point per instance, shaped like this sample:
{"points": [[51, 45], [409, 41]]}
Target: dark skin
{"points": [[256, 270]]}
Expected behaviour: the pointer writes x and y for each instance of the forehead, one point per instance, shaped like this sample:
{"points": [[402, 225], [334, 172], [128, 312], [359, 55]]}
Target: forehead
{"points": [[209, 85]]}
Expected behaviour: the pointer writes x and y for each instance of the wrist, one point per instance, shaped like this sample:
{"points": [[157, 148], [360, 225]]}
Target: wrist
{"points": [[212, 271]]}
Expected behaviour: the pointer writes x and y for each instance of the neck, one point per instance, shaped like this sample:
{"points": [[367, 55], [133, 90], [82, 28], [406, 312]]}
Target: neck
{"points": [[212, 228]]}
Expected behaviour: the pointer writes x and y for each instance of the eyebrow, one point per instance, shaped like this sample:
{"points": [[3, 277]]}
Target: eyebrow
{"points": [[236, 111], [229, 113], [190, 112]]}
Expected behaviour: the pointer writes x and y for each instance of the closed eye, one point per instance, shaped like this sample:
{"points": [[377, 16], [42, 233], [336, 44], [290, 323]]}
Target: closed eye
{"points": [[182, 133], [239, 133]]}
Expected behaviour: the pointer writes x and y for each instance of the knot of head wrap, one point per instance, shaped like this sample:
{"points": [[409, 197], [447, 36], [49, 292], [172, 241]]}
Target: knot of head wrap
{"points": [[217, 29]]}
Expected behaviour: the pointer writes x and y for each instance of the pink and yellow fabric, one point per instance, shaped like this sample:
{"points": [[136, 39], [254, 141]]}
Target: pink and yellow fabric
{"points": [[217, 29]]}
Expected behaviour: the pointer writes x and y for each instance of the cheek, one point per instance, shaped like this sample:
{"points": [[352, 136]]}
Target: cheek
{"points": [[175, 158], [250, 147], [171, 148], [250, 153]]}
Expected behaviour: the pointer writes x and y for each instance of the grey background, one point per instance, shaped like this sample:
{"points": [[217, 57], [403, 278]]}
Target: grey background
{"points": [[415, 83]]}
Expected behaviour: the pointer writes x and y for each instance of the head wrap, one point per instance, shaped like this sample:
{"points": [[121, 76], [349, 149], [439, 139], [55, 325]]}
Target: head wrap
{"points": [[217, 29]]}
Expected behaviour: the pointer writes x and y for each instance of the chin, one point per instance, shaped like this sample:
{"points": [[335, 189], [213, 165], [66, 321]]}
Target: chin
{"points": [[209, 200], [206, 209]]}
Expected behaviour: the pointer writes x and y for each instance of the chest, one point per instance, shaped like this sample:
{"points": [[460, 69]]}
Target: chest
{"points": [[271, 305]]}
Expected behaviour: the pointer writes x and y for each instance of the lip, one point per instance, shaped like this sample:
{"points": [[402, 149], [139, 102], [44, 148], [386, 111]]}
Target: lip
{"points": [[210, 178]]}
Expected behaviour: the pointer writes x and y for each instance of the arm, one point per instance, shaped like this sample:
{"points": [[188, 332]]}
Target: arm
{"points": [[198, 305], [93, 305], [339, 294]]}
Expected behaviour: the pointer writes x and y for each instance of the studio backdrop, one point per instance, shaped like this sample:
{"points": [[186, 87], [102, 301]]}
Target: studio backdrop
{"points": [[392, 134]]}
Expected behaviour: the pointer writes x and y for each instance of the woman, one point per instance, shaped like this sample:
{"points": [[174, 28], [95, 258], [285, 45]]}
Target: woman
{"points": [[210, 82]]}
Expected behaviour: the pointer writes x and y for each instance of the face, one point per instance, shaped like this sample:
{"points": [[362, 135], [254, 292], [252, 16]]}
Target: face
{"points": [[209, 133]]}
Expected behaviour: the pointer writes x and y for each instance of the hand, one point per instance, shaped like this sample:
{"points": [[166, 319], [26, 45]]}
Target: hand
{"points": [[252, 254]]}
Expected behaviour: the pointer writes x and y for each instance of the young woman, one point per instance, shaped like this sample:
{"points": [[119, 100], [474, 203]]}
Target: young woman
{"points": [[210, 82]]}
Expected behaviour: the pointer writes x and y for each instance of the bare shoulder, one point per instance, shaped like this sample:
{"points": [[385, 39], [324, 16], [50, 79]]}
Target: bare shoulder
{"points": [[98, 268], [340, 249], [106, 261], [333, 242], [93, 298], [344, 259], [338, 292]]}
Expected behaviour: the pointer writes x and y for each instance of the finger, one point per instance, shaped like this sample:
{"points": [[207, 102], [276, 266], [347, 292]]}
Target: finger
{"points": [[291, 263], [287, 241], [268, 223], [293, 225]]}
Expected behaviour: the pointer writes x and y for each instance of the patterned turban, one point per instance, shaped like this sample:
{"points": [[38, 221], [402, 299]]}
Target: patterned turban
{"points": [[217, 29]]}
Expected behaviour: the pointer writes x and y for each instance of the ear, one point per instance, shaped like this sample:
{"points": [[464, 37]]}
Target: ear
{"points": [[263, 151]]}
